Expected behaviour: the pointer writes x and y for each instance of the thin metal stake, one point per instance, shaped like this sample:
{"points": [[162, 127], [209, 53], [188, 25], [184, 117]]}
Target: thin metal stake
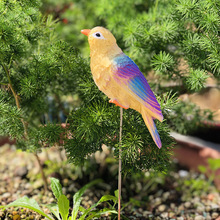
{"points": [[119, 165]]}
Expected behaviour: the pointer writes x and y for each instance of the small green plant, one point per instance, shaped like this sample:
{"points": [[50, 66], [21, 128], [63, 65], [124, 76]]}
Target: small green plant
{"points": [[198, 185], [61, 209], [213, 166]]}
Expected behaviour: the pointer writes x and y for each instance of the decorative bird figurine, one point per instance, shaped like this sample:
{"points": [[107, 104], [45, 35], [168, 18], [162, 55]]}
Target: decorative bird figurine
{"points": [[120, 79]]}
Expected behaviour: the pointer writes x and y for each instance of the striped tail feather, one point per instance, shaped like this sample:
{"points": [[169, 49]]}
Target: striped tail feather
{"points": [[148, 119]]}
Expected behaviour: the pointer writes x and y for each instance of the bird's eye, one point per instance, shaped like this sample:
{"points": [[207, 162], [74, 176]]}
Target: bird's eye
{"points": [[98, 35]]}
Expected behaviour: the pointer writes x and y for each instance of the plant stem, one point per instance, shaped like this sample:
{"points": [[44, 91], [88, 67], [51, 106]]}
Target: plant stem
{"points": [[41, 171], [119, 165], [155, 10], [23, 122], [4, 84], [16, 98]]}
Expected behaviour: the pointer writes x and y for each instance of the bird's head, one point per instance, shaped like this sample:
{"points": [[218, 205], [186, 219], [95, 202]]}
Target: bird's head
{"points": [[100, 39]]}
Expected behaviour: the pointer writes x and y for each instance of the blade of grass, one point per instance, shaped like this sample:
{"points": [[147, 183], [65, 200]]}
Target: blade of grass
{"points": [[77, 197]]}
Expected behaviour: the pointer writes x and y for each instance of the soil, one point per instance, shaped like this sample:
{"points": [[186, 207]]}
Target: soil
{"points": [[181, 194]]}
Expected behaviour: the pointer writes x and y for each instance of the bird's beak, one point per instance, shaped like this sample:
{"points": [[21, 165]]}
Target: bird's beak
{"points": [[86, 32]]}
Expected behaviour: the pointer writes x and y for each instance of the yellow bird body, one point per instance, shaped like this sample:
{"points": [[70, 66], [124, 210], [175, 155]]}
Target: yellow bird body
{"points": [[101, 68], [120, 79], [101, 71]]}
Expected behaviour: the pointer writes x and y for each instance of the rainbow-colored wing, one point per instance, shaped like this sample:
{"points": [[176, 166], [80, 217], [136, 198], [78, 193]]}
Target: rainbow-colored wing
{"points": [[128, 75]]}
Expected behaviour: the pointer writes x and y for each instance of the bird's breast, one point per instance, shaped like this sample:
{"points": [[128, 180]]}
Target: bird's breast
{"points": [[101, 68]]}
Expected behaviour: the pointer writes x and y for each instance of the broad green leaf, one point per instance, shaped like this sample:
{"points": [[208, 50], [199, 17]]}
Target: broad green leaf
{"points": [[63, 204], [54, 209], [116, 193], [108, 197], [25, 202], [56, 187]]}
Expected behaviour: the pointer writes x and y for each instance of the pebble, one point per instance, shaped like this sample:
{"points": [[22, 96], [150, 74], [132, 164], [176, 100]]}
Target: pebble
{"points": [[215, 206], [72, 188], [208, 208], [162, 208], [164, 215], [2, 213], [208, 217], [187, 204], [6, 195], [159, 193], [146, 213], [16, 185], [16, 217], [199, 207], [157, 201], [14, 213], [21, 172], [166, 195], [181, 207], [183, 173], [172, 206], [195, 208], [215, 215], [65, 182], [27, 186], [171, 214], [196, 199], [151, 197], [199, 217]]}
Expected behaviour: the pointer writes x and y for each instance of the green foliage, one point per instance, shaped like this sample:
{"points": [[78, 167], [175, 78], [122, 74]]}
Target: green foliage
{"points": [[171, 29], [96, 124], [10, 117], [190, 114], [49, 134], [161, 36], [195, 186], [163, 63], [35, 66], [196, 80], [56, 187], [198, 184], [62, 207], [211, 169], [214, 164], [39, 63], [139, 151]]}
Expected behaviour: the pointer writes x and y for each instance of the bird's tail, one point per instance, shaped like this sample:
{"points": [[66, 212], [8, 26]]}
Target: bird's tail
{"points": [[148, 119]]}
